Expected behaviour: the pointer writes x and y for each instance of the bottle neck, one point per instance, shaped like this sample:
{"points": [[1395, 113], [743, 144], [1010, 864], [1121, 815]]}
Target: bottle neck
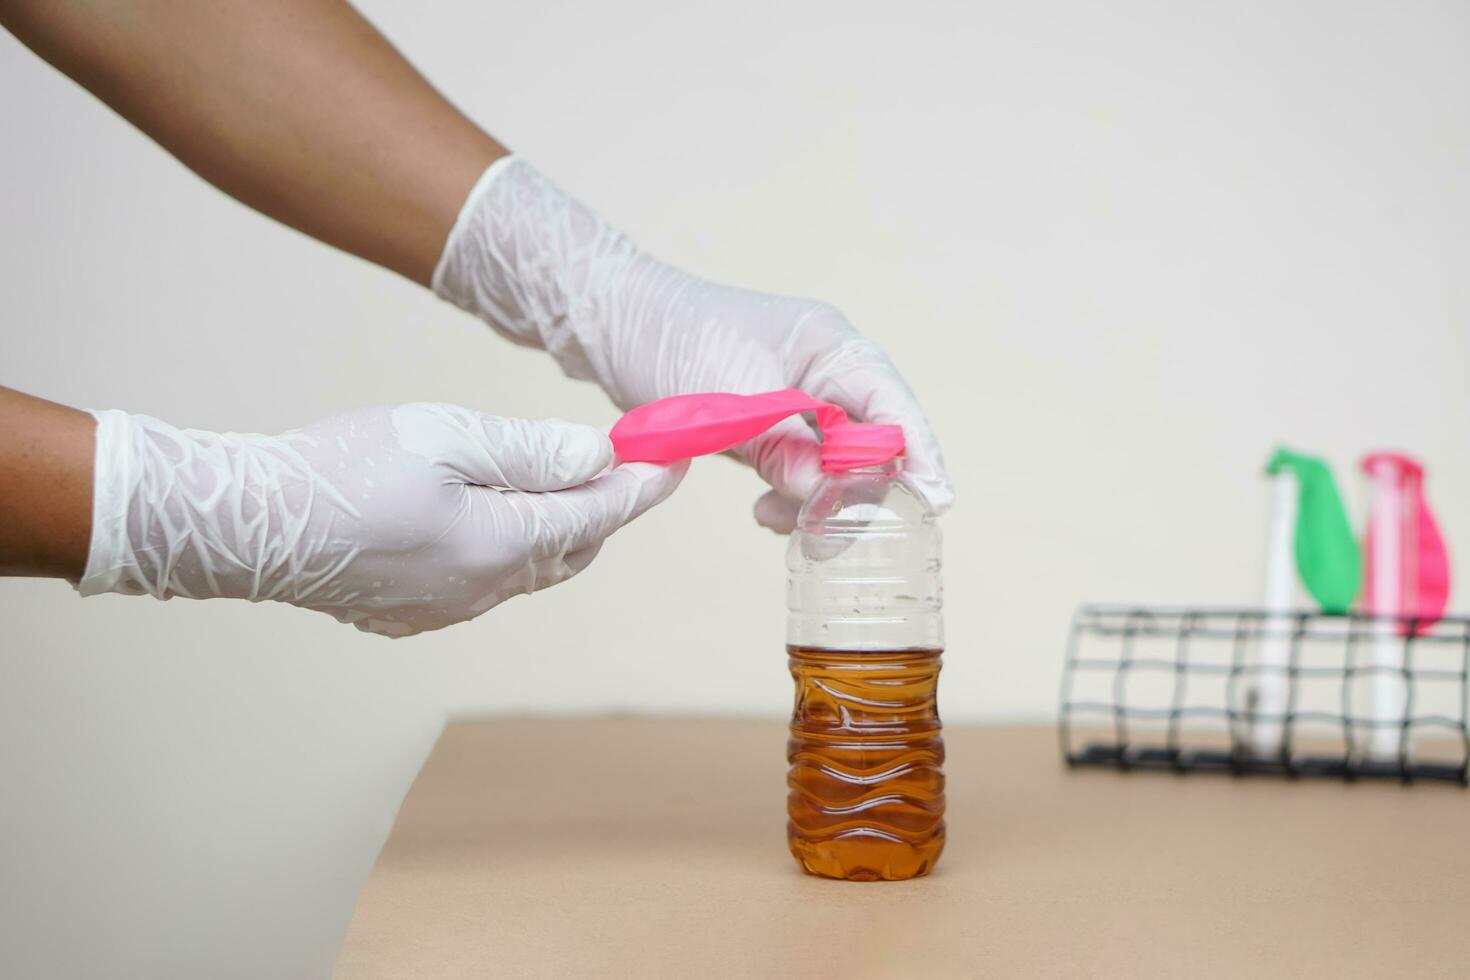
{"points": [[891, 468]]}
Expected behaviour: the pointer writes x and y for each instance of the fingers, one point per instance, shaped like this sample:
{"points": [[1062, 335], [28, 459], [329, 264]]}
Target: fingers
{"points": [[788, 456], [776, 512], [556, 570], [536, 455], [890, 402], [850, 371], [546, 454], [570, 521]]}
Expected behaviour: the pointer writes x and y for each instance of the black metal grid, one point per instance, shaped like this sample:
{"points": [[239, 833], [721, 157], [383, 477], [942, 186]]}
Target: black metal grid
{"points": [[1106, 646]]}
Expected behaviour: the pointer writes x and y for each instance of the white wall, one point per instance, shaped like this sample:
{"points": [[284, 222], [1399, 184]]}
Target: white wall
{"points": [[1120, 250]]}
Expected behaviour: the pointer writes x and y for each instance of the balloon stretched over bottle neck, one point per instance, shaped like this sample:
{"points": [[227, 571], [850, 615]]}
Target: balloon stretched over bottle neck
{"points": [[686, 426]]}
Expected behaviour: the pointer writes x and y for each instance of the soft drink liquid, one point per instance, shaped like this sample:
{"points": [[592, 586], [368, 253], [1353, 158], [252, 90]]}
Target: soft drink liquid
{"points": [[867, 783]]}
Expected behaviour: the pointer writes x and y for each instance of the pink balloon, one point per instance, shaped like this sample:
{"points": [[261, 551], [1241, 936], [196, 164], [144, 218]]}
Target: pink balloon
{"points": [[686, 426], [1424, 563]]}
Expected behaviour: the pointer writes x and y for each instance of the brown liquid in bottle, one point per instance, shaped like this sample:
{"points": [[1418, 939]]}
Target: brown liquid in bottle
{"points": [[866, 779]]}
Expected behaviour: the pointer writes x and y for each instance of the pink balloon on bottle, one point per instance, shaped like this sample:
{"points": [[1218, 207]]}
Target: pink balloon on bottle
{"points": [[1407, 567]]}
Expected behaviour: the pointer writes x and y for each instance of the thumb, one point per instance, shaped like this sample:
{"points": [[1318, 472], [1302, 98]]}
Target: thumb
{"points": [[545, 454], [488, 450], [583, 516]]}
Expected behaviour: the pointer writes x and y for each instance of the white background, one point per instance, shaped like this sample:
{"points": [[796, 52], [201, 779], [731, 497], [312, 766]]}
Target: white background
{"points": [[1120, 250]]}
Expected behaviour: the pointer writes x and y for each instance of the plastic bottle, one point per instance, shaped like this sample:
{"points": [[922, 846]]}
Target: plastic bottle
{"points": [[864, 635], [864, 632]]}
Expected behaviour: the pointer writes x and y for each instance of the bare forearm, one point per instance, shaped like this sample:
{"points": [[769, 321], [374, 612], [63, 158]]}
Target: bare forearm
{"points": [[45, 487], [298, 108]]}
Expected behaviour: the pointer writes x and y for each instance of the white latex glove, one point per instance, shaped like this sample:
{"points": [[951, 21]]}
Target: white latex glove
{"points": [[395, 519], [547, 271]]}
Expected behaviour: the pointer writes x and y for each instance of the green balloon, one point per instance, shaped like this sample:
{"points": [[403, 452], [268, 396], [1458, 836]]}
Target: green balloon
{"points": [[1327, 555]]}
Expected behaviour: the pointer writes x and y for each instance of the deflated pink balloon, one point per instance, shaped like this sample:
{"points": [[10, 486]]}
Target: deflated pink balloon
{"points": [[686, 426]]}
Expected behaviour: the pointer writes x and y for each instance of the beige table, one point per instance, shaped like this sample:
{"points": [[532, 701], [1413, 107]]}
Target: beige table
{"points": [[631, 848]]}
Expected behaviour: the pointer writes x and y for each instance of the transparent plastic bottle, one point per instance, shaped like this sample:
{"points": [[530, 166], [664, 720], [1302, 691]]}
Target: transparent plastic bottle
{"points": [[864, 636]]}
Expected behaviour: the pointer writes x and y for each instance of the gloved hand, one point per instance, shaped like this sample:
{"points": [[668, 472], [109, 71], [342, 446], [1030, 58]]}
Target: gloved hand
{"points": [[546, 271], [395, 519]]}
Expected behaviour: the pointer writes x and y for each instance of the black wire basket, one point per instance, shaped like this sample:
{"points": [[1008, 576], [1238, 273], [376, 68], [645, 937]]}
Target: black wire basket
{"points": [[1251, 691]]}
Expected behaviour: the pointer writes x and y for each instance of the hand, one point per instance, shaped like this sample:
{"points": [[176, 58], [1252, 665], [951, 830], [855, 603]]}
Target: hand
{"points": [[546, 271], [395, 519]]}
